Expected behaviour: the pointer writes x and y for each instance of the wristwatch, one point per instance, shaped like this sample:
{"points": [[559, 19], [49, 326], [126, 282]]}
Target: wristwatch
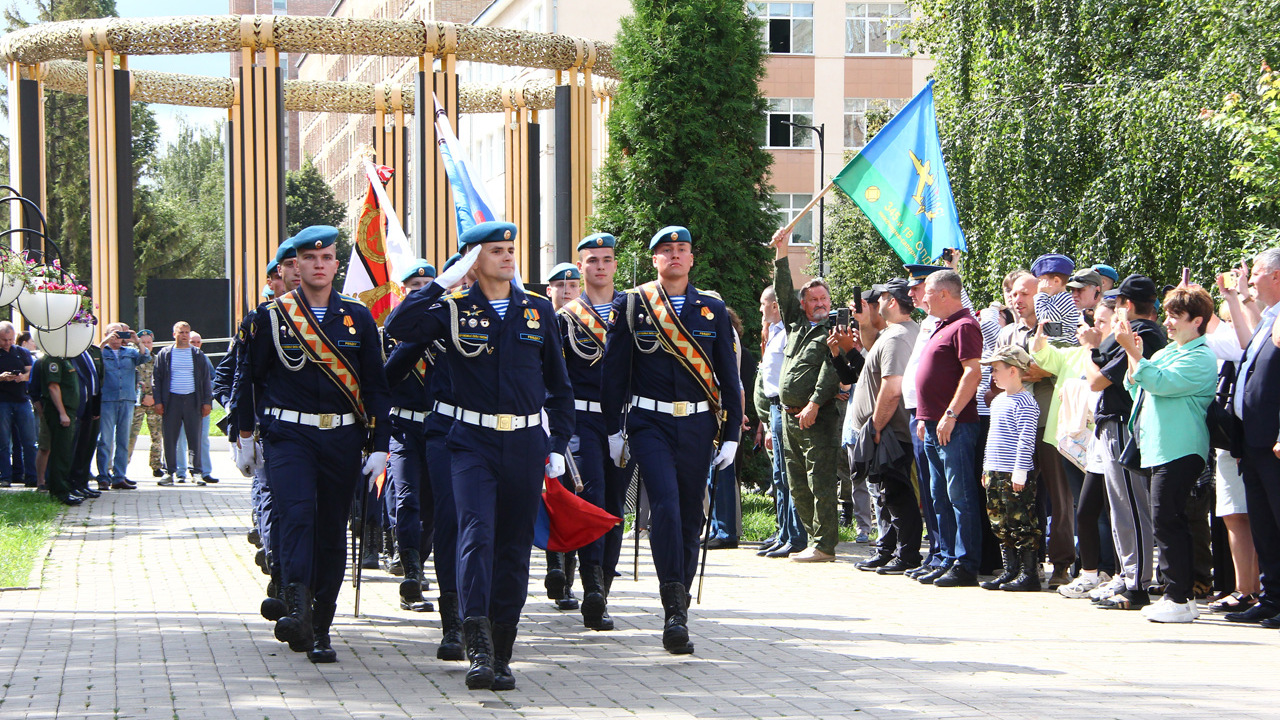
{"points": [[951, 414]]}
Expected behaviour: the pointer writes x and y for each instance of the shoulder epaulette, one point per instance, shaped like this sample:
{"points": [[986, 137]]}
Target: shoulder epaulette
{"points": [[456, 294], [631, 291], [530, 293], [350, 299], [713, 294]]}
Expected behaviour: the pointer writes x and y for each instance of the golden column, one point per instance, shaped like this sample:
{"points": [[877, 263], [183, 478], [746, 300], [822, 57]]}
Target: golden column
{"points": [[520, 132], [435, 225], [389, 143]]}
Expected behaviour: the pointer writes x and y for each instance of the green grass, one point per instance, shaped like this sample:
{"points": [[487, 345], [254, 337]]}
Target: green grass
{"points": [[26, 521], [214, 416], [759, 519]]}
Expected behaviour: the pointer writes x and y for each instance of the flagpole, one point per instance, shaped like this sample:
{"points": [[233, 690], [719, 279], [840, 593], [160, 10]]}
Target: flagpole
{"points": [[805, 210]]}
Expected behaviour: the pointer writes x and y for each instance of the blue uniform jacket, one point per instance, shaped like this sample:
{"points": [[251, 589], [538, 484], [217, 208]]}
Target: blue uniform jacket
{"points": [[262, 377], [410, 390], [585, 374], [659, 376], [519, 369]]}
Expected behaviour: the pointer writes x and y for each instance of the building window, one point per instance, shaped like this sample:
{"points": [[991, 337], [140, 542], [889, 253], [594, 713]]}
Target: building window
{"points": [[790, 205], [855, 118], [784, 110], [875, 28], [788, 27], [279, 7]]}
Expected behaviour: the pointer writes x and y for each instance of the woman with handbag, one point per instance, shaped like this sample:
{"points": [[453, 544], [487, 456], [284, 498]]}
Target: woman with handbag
{"points": [[1172, 393]]}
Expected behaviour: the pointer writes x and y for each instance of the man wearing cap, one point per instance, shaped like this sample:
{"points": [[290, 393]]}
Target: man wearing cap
{"points": [[877, 399], [119, 393], [563, 284], [670, 354], [314, 391], [1086, 291], [507, 366], [1110, 278], [584, 324]]}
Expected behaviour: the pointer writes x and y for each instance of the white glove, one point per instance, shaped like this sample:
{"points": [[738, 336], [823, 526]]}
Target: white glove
{"points": [[728, 450], [555, 465], [247, 455], [618, 449], [455, 274], [375, 464]]}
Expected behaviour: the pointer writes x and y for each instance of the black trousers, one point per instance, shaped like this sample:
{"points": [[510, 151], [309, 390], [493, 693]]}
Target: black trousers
{"points": [[898, 502], [86, 443], [1170, 490], [1261, 471]]}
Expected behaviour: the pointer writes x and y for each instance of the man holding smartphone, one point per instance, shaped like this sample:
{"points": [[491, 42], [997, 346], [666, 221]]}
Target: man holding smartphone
{"points": [[120, 360], [17, 422]]}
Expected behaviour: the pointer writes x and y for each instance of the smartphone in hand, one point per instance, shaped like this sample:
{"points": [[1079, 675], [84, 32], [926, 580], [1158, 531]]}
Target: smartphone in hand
{"points": [[1052, 327], [857, 300], [842, 318]]}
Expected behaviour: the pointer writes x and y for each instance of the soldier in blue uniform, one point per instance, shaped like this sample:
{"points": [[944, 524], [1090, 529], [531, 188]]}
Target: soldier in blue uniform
{"points": [[316, 356], [584, 322], [409, 370], [504, 359], [670, 356], [564, 285]]}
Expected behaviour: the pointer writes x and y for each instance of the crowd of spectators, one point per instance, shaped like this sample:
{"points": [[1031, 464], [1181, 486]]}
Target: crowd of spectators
{"points": [[59, 416]]}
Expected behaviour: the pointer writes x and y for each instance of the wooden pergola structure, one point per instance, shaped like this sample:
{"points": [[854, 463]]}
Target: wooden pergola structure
{"points": [[91, 57]]}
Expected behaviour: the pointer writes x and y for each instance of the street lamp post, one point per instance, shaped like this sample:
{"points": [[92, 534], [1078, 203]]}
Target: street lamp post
{"points": [[820, 130]]}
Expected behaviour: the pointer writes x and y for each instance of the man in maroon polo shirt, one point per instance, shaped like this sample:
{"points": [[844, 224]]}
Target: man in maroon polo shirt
{"points": [[946, 386]]}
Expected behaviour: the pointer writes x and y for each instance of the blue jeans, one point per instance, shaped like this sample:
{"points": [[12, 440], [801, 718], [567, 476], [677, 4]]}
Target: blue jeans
{"points": [[724, 513], [934, 556], [203, 460], [113, 438], [956, 501], [18, 425], [790, 530]]}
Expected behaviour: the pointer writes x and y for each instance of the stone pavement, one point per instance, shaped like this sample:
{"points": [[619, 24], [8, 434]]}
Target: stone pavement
{"points": [[148, 607]]}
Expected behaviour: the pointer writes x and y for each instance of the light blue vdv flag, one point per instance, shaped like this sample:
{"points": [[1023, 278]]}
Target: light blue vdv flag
{"points": [[900, 182]]}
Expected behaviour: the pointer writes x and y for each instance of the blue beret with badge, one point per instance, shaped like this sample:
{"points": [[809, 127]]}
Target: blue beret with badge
{"points": [[1108, 272], [487, 232], [598, 240], [917, 273], [285, 251], [314, 237], [670, 233], [1053, 263], [271, 266], [564, 271], [421, 268], [452, 259]]}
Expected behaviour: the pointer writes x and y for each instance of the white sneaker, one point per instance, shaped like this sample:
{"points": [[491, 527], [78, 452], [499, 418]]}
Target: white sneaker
{"points": [[1107, 589], [1165, 610], [1082, 586]]}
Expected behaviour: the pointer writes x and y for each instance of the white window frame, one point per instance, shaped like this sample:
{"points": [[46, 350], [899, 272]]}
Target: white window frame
{"points": [[799, 16], [855, 110], [871, 16], [797, 110], [790, 205]]}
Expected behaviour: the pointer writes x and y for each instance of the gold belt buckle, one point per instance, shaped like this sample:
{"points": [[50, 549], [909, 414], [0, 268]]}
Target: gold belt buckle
{"points": [[680, 409], [326, 421], [504, 422]]}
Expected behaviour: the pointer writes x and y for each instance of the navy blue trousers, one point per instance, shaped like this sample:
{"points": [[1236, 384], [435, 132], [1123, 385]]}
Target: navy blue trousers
{"points": [[312, 475], [444, 536], [497, 485], [409, 498], [263, 508], [674, 455], [603, 485]]}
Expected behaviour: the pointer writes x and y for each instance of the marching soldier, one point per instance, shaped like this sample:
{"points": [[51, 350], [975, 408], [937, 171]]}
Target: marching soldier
{"points": [[409, 371], [670, 355], [507, 366], [564, 285], [317, 358], [584, 322]]}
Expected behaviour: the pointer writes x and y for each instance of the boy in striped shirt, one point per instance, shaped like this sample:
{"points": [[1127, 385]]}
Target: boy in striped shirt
{"points": [[1053, 302], [1007, 472]]}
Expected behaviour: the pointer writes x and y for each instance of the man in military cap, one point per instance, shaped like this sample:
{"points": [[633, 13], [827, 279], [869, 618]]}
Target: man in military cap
{"points": [[409, 368], [506, 364], [563, 284], [315, 366], [584, 323], [670, 356]]}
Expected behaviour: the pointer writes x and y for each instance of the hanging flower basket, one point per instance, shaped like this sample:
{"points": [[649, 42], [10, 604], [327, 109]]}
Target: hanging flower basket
{"points": [[67, 341], [15, 271], [51, 298]]}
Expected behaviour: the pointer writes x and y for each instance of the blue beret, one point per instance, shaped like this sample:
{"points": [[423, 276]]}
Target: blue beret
{"points": [[285, 251], [422, 268], [1053, 263], [314, 237], [271, 266], [564, 271], [452, 259], [599, 240], [670, 233], [917, 273], [1107, 271], [484, 232]]}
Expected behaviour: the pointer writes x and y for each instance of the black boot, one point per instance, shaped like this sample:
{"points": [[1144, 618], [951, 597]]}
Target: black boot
{"points": [[675, 630], [480, 651], [260, 559], [594, 606], [555, 581], [295, 628], [451, 628], [504, 638], [411, 589], [1028, 579], [273, 607], [1012, 564], [321, 651], [846, 514], [568, 601], [371, 544], [390, 560]]}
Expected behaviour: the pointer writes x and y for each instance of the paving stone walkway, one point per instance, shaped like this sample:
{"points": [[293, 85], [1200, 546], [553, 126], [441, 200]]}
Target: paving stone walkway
{"points": [[148, 608]]}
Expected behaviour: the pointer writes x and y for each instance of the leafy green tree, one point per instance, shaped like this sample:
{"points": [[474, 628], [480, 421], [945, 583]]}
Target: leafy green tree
{"points": [[186, 238], [1073, 127], [1253, 127], [684, 145], [310, 201]]}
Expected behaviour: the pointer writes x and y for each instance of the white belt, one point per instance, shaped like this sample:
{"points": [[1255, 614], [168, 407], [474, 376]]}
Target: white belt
{"points": [[324, 421], [675, 409], [414, 415], [587, 406], [502, 423]]}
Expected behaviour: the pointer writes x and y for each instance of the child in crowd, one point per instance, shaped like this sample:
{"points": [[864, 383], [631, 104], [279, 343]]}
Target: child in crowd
{"points": [[1053, 303], [1007, 472]]}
